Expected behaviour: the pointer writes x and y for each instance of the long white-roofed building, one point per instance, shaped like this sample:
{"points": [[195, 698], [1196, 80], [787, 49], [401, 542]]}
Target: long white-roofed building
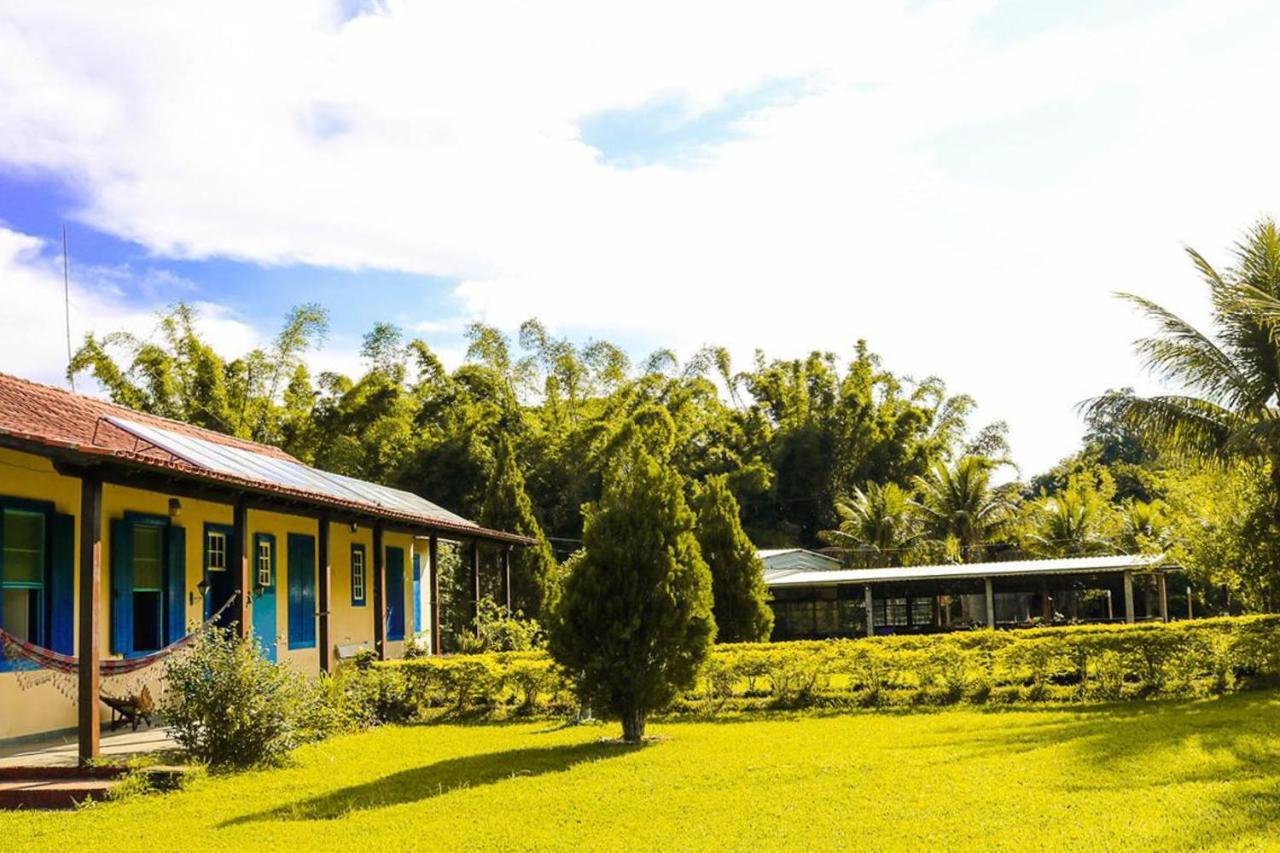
{"points": [[814, 597]]}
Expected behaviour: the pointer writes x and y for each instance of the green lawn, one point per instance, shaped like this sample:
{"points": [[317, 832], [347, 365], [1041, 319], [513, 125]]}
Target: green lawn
{"points": [[1159, 775]]}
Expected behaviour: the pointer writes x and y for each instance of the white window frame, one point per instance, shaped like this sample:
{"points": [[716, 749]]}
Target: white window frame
{"points": [[264, 562], [357, 574], [216, 557]]}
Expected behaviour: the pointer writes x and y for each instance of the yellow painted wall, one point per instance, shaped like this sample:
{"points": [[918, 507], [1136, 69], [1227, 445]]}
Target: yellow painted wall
{"points": [[39, 708], [42, 709], [350, 625]]}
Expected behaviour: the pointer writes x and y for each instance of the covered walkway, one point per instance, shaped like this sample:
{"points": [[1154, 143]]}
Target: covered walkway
{"points": [[928, 599]]}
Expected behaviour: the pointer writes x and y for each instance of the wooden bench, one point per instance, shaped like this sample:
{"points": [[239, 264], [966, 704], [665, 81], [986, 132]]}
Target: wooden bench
{"points": [[348, 651]]}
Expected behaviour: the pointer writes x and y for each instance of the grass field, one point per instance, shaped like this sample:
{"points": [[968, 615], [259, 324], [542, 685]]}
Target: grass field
{"points": [[1156, 775]]}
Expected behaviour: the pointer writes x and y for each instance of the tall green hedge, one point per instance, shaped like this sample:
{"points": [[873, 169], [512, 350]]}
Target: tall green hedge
{"points": [[1073, 664]]}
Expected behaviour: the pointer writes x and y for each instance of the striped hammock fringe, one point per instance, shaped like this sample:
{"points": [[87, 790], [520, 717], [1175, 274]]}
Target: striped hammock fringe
{"points": [[38, 656]]}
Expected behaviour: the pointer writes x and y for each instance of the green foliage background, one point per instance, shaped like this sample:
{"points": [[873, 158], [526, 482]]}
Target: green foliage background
{"points": [[818, 450]]}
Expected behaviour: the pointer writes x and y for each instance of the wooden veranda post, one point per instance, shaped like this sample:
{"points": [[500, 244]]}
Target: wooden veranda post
{"points": [[379, 596], [991, 602], [506, 574], [89, 720], [1128, 597], [240, 565], [475, 585], [871, 622], [323, 595], [1164, 597], [433, 574]]}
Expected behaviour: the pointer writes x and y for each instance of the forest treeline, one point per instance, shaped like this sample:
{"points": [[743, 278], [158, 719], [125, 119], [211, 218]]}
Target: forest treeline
{"points": [[826, 450]]}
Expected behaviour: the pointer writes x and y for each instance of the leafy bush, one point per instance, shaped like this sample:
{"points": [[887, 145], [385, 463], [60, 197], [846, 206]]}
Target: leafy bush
{"points": [[230, 707], [498, 629]]}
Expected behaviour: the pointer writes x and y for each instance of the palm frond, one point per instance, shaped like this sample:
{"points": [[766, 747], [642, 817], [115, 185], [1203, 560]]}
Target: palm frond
{"points": [[1181, 353], [1184, 426]]}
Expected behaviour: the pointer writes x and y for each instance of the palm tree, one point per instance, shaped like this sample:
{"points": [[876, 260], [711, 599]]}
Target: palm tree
{"points": [[1229, 380], [959, 504], [1143, 526], [1069, 524], [880, 520]]}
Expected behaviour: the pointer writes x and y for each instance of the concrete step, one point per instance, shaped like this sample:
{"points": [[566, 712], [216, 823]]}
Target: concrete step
{"points": [[55, 787]]}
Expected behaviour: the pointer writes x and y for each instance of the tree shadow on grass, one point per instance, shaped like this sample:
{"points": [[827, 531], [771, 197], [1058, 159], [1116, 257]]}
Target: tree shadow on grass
{"points": [[438, 779]]}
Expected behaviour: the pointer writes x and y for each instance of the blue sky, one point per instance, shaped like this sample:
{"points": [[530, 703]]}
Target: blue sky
{"points": [[964, 183]]}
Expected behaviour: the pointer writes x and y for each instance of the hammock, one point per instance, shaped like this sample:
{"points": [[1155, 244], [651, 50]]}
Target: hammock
{"points": [[43, 658]]}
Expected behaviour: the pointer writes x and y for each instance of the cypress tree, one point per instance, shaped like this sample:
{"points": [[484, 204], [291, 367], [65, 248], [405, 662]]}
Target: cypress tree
{"points": [[737, 574], [634, 622], [506, 506]]}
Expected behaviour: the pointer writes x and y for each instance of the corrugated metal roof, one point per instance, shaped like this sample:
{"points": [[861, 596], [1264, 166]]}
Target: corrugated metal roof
{"points": [[795, 559], [1068, 565], [285, 473]]}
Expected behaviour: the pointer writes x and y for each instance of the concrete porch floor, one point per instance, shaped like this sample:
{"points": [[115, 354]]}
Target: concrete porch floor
{"points": [[62, 750]]}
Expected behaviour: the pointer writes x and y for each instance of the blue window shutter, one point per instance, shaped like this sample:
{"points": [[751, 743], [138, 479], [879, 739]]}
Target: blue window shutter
{"points": [[417, 593], [295, 593], [3, 663], [308, 604], [176, 583], [121, 586], [62, 583]]}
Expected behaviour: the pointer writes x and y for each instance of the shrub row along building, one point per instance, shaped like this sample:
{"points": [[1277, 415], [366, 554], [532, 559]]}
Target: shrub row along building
{"points": [[813, 596], [122, 531]]}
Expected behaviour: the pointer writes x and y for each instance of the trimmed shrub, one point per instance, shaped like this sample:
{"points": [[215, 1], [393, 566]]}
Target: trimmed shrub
{"points": [[1065, 664]]}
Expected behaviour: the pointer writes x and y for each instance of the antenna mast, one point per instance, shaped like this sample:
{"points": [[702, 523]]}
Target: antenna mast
{"points": [[66, 301]]}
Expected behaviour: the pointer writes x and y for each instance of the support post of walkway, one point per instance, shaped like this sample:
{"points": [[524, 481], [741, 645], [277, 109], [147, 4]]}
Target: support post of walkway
{"points": [[433, 575], [89, 715], [991, 603], [240, 565], [871, 621], [475, 585], [379, 596], [323, 596], [1164, 597], [506, 574], [1128, 597]]}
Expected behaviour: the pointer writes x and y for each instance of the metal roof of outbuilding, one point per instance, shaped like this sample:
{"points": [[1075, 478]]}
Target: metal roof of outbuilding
{"points": [[1012, 568]]}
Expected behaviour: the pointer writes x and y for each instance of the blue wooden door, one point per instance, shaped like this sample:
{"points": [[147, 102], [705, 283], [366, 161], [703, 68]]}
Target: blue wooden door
{"points": [[395, 593], [263, 577], [302, 591]]}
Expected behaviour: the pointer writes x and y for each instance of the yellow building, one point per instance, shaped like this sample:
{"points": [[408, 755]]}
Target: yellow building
{"points": [[120, 531]]}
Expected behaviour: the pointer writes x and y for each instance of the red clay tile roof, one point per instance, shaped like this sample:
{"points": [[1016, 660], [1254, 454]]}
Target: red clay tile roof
{"points": [[55, 416], [51, 417]]}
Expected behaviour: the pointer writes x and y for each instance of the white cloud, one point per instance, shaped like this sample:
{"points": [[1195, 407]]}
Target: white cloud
{"points": [[443, 140], [33, 326]]}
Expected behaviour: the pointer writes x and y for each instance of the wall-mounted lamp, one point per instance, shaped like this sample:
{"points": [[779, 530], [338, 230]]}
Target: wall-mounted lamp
{"points": [[203, 587], [354, 527], [175, 507]]}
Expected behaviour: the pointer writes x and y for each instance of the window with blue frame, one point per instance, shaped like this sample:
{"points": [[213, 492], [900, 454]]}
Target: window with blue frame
{"points": [[148, 583], [148, 587], [37, 574], [24, 574], [265, 560], [357, 576]]}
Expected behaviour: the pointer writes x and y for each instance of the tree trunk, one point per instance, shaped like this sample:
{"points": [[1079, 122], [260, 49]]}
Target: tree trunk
{"points": [[633, 725]]}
